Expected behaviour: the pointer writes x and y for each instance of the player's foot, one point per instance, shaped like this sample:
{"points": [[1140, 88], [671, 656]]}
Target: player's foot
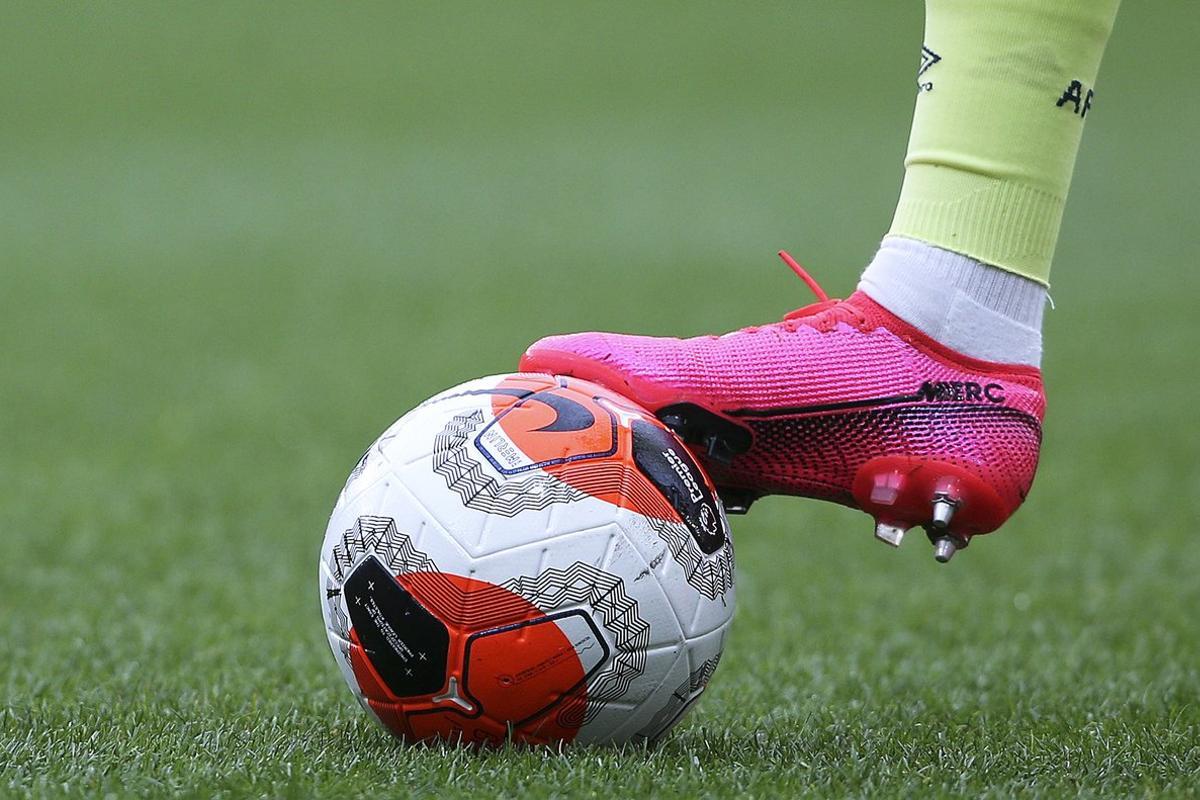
{"points": [[841, 401]]}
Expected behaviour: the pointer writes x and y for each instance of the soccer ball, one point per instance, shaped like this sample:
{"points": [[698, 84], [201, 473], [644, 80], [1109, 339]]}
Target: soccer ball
{"points": [[527, 558]]}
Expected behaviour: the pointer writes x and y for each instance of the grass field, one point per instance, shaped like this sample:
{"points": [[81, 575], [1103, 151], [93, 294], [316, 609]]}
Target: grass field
{"points": [[237, 240]]}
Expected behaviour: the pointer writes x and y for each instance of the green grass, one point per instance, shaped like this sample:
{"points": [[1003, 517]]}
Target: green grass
{"points": [[237, 240]]}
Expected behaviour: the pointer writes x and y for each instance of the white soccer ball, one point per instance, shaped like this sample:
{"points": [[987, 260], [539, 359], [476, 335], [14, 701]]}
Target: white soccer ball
{"points": [[527, 558]]}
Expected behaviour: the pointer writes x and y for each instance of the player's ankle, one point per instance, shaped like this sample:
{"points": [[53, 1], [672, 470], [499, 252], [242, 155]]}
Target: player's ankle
{"points": [[971, 307]]}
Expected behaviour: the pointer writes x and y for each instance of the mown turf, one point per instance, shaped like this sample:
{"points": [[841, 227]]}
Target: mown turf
{"points": [[237, 240]]}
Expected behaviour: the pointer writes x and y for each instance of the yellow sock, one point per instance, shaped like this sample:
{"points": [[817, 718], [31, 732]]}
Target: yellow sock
{"points": [[1004, 89]]}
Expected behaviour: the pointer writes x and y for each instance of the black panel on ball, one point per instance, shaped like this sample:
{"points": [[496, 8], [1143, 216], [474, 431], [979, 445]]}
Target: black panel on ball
{"points": [[668, 464], [404, 642]]}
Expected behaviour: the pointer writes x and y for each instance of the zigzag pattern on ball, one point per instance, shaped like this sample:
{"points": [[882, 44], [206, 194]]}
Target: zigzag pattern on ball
{"points": [[583, 583], [358, 470], [338, 620], [378, 536], [684, 695], [711, 576], [700, 677], [482, 492]]}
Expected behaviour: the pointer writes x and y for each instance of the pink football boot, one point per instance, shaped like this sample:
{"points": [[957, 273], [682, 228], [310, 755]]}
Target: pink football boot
{"points": [[841, 401]]}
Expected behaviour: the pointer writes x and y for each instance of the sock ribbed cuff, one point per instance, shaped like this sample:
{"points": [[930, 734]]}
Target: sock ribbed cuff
{"points": [[991, 220]]}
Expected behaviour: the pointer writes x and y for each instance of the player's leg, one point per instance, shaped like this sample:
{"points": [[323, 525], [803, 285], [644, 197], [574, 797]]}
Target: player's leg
{"points": [[1004, 89], [919, 398]]}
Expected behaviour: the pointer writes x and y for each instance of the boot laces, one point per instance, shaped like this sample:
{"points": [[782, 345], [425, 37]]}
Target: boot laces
{"points": [[813, 312], [809, 280], [823, 315]]}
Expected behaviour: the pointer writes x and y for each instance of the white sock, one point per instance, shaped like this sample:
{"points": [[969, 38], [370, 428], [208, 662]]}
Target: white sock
{"points": [[971, 307]]}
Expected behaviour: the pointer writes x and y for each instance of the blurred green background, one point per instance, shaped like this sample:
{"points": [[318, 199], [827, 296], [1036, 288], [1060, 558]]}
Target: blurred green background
{"points": [[237, 240]]}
